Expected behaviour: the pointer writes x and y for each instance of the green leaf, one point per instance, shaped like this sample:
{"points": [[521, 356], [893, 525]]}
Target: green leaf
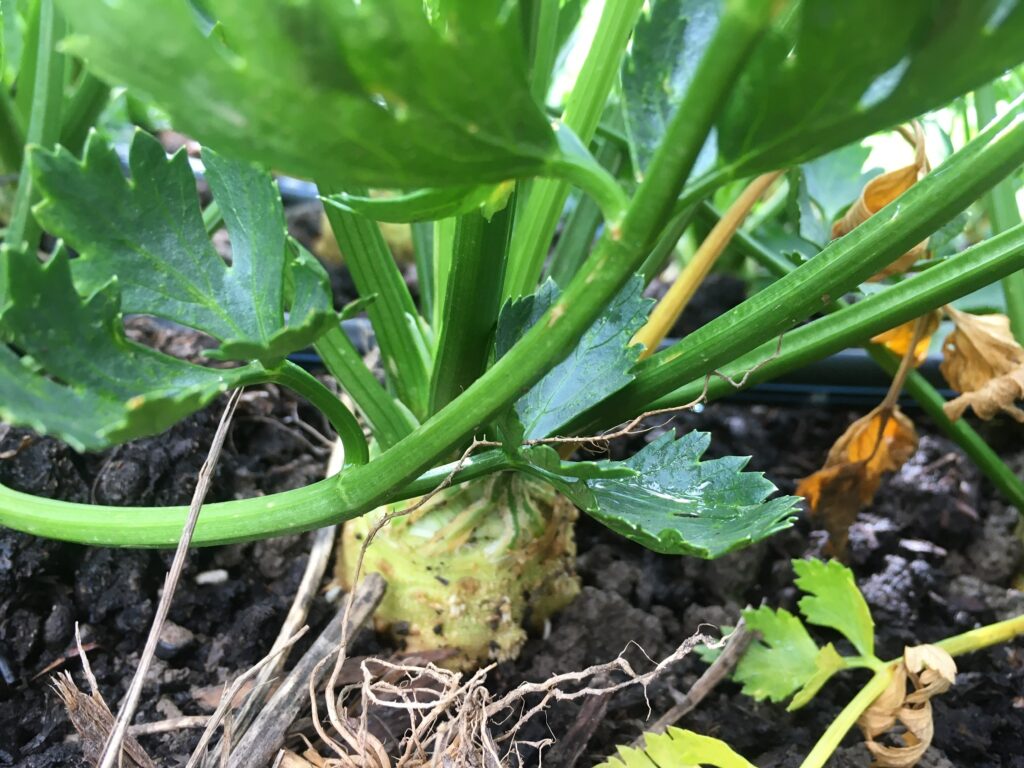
{"points": [[833, 600], [667, 45], [782, 661], [148, 231], [826, 663], [598, 366], [419, 205], [677, 748], [824, 187], [354, 93], [679, 505], [829, 74], [95, 387]]}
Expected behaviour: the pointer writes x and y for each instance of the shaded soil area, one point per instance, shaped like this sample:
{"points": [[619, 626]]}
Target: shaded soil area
{"points": [[935, 555]]}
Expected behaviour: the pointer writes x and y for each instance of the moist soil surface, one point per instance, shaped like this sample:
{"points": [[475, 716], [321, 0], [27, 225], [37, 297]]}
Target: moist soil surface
{"points": [[935, 555]]}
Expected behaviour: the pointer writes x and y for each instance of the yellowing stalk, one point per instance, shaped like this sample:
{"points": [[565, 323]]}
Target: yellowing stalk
{"points": [[685, 286]]}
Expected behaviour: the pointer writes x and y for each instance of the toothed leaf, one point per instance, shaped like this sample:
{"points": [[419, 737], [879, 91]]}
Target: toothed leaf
{"points": [[80, 378], [679, 749], [677, 504], [377, 94], [597, 367], [782, 661], [148, 230], [833, 600]]}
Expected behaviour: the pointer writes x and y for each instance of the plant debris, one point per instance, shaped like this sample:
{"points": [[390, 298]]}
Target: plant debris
{"points": [[930, 671], [982, 361]]}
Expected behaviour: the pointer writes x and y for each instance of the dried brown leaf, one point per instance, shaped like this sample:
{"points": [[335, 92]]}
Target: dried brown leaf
{"points": [[898, 340], [93, 720], [880, 442], [930, 671], [882, 190], [983, 361], [998, 395]]}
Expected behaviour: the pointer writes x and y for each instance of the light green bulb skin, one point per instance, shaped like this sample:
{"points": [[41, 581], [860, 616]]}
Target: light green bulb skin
{"points": [[467, 570]]}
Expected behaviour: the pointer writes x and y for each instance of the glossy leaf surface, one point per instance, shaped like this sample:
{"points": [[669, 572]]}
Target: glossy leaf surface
{"points": [[81, 379], [379, 93], [149, 232]]}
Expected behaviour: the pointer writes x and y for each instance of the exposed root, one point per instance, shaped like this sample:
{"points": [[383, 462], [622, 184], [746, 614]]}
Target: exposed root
{"points": [[454, 721]]}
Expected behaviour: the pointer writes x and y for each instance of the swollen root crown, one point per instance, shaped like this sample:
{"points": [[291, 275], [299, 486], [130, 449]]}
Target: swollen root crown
{"points": [[469, 567]]}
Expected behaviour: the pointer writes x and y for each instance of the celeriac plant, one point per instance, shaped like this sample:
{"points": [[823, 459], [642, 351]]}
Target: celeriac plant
{"points": [[441, 102]]}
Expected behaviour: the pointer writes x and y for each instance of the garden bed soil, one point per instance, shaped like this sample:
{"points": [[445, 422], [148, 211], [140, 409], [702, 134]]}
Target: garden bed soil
{"points": [[934, 555]]}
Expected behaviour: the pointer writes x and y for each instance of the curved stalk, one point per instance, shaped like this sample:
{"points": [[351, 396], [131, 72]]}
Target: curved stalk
{"points": [[855, 324], [304, 383], [222, 522]]}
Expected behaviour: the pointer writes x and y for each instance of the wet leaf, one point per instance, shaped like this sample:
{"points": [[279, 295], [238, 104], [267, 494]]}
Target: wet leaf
{"points": [[668, 42], [674, 503], [898, 340], [881, 191], [829, 73], [983, 361], [930, 671], [880, 442], [782, 661], [679, 749], [833, 600]]}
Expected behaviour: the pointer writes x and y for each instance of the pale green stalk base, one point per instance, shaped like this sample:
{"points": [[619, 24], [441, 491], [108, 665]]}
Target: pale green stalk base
{"points": [[468, 567]]}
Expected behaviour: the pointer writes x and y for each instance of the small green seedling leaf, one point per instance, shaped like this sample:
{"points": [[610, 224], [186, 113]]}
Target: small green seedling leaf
{"points": [[826, 663], [834, 601], [677, 748], [679, 505], [598, 367], [81, 379], [784, 660], [271, 300], [387, 94]]}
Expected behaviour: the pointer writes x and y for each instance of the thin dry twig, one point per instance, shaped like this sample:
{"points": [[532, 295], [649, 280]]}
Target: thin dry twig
{"points": [[736, 645], [265, 736], [113, 746], [185, 722], [228, 696], [319, 556]]}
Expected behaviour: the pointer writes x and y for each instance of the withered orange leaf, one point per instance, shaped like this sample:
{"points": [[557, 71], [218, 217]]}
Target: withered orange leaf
{"points": [[899, 339], [882, 190], [983, 362], [880, 442]]}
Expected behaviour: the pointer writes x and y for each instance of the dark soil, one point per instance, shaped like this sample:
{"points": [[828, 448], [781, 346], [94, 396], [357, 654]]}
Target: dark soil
{"points": [[934, 556]]}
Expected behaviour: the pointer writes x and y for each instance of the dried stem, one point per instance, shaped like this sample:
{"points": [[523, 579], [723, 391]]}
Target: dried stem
{"points": [[113, 746]]}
